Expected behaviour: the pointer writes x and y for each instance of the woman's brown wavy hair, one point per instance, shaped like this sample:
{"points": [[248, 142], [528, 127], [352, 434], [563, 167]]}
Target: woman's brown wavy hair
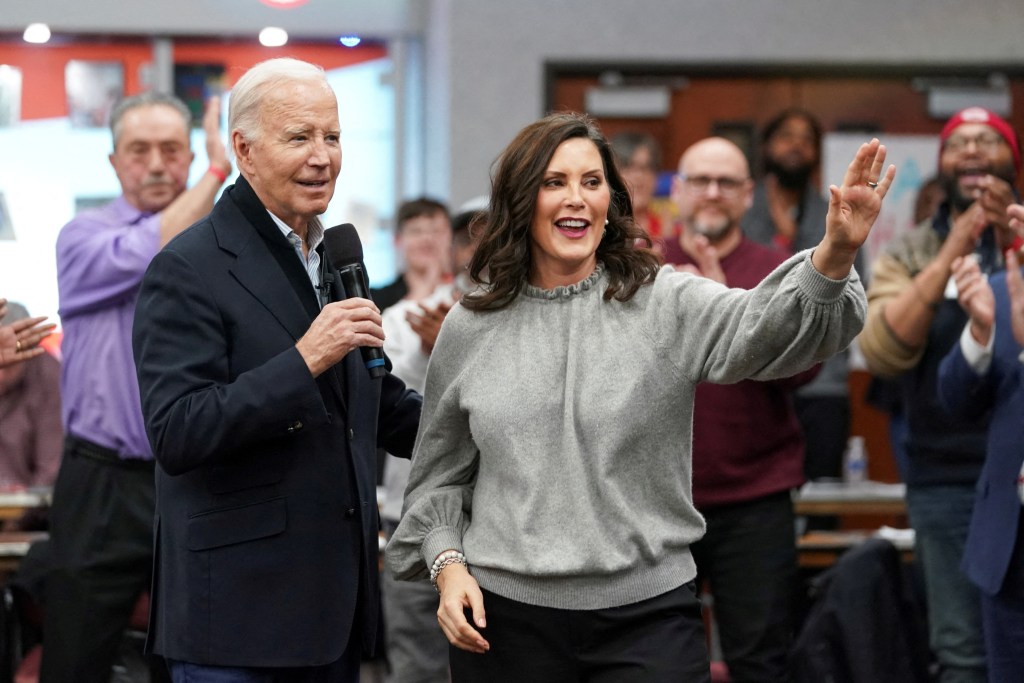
{"points": [[502, 260]]}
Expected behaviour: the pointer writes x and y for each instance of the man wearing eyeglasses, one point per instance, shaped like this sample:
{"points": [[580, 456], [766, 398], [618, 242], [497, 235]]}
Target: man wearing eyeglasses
{"points": [[748, 450], [913, 321]]}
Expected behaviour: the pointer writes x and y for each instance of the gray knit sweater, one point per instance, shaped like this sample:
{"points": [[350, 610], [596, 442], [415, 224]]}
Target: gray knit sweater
{"points": [[554, 446]]}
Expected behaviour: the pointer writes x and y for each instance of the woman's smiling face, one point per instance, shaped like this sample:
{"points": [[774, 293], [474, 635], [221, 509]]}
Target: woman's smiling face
{"points": [[569, 217]]}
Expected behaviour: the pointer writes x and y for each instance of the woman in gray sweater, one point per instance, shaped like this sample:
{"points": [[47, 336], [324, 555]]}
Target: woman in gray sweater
{"points": [[551, 478]]}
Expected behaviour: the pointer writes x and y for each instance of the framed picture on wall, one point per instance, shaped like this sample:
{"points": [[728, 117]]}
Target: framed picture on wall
{"points": [[93, 88], [10, 95], [195, 83]]}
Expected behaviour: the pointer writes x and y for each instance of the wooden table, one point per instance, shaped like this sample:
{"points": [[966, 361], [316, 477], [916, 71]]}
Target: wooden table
{"points": [[14, 545], [840, 498], [13, 504], [869, 500], [820, 549]]}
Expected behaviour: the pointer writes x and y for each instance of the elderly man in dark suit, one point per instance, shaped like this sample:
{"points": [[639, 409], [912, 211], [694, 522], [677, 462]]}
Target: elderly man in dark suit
{"points": [[263, 420]]}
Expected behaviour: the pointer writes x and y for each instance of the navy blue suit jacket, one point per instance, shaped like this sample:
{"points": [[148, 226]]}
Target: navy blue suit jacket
{"points": [[997, 506], [266, 521]]}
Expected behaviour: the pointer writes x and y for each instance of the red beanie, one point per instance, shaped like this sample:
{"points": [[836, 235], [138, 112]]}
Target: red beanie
{"points": [[990, 119]]}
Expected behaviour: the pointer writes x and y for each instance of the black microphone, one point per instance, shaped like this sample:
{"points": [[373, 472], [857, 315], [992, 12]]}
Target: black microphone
{"points": [[345, 252]]}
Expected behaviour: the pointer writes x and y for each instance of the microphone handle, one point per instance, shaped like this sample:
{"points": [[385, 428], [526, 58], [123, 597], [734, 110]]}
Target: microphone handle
{"points": [[353, 278]]}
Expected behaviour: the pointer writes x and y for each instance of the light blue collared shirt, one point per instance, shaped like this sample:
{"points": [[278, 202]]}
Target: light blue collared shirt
{"points": [[310, 262]]}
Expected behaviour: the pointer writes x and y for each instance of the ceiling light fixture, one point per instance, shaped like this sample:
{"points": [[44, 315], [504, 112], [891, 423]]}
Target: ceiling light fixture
{"points": [[37, 33], [284, 4], [272, 36]]}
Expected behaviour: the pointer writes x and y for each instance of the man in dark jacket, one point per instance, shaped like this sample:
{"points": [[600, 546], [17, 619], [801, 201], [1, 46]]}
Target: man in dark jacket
{"points": [[263, 419]]}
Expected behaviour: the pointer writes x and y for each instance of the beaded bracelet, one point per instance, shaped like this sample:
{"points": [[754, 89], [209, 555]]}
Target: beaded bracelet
{"points": [[443, 560], [444, 556]]}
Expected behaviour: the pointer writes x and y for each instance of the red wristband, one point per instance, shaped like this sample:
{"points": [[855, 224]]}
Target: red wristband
{"points": [[217, 173]]}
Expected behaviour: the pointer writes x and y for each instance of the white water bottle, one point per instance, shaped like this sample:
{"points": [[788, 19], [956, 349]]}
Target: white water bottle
{"points": [[855, 461]]}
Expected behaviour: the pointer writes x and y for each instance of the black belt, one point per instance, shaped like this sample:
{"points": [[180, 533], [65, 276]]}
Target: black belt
{"points": [[108, 456]]}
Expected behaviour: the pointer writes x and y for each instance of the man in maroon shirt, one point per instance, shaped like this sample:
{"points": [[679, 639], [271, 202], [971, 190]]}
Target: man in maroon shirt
{"points": [[748, 450]]}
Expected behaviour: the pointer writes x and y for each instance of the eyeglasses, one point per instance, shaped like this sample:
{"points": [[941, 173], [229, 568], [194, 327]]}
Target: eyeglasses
{"points": [[698, 184], [985, 142]]}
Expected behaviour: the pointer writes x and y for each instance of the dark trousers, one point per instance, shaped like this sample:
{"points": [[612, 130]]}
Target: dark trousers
{"points": [[825, 421], [748, 558], [101, 543], [417, 651], [344, 670], [660, 640], [1002, 617]]}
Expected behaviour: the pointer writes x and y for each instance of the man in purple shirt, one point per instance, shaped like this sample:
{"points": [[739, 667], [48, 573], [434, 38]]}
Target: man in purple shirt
{"points": [[102, 514]]}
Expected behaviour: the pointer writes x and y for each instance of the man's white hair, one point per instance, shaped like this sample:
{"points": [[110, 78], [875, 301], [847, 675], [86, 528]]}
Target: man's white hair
{"points": [[244, 110]]}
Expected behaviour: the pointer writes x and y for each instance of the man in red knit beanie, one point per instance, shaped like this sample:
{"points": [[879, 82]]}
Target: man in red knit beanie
{"points": [[913, 321]]}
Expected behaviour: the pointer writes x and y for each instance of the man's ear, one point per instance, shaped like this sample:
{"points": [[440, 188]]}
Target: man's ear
{"points": [[243, 151]]}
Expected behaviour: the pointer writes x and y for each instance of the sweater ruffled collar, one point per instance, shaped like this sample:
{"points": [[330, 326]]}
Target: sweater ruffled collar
{"points": [[565, 291]]}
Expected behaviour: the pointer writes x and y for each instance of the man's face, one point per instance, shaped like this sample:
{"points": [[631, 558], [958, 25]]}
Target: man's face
{"points": [[426, 242], [713, 189], [790, 153], [151, 156], [972, 151], [295, 159]]}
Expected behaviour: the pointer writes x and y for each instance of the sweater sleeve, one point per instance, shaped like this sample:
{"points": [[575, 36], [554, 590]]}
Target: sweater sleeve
{"points": [[794, 318], [885, 353], [439, 497]]}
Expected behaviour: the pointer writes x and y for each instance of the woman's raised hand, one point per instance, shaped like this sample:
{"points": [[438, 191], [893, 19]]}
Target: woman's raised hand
{"points": [[852, 210]]}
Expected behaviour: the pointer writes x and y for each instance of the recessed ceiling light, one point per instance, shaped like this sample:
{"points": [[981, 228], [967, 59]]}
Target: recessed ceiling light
{"points": [[272, 36], [37, 33], [350, 41]]}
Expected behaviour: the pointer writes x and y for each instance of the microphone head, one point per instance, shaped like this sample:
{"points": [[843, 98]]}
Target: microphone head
{"points": [[342, 245]]}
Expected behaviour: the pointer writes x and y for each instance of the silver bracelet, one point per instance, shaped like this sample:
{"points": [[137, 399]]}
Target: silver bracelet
{"points": [[443, 560], [444, 556]]}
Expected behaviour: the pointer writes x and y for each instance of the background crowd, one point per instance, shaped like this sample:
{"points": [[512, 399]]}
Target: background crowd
{"points": [[943, 334]]}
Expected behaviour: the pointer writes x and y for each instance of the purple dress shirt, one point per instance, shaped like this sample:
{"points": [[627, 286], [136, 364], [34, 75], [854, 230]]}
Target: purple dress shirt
{"points": [[102, 255]]}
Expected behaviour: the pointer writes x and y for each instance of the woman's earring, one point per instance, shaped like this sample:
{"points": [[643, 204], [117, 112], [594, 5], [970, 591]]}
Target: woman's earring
{"points": [[606, 221]]}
